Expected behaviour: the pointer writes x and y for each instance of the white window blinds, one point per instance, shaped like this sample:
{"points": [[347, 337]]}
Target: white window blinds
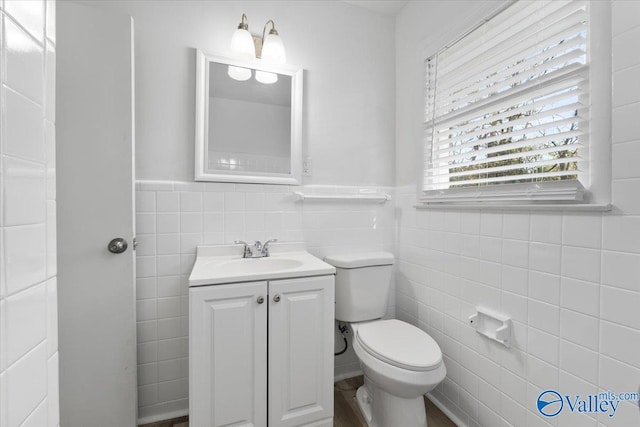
{"points": [[507, 108]]}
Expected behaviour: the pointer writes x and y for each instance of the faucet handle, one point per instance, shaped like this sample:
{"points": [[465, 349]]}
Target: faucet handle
{"points": [[258, 245], [265, 247], [248, 253]]}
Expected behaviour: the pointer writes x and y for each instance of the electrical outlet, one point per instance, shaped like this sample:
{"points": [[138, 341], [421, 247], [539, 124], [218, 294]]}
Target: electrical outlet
{"points": [[307, 166]]}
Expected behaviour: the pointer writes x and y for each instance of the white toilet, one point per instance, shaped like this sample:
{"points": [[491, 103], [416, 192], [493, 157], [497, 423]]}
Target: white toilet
{"points": [[400, 361]]}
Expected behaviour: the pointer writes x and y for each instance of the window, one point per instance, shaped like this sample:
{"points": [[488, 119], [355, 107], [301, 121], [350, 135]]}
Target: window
{"points": [[508, 110]]}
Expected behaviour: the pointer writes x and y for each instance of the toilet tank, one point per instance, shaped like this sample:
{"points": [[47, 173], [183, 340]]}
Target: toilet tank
{"points": [[362, 284]]}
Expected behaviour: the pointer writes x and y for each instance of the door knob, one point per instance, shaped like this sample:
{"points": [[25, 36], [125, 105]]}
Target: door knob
{"points": [[117, 245]]}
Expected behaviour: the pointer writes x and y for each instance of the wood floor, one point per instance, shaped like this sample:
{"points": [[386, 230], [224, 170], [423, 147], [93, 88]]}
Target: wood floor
{"points": [[346, 412]]}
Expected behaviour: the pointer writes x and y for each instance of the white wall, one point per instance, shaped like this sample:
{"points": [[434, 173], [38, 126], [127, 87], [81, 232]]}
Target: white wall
{"points": [[28, 290], [347, 54], [348, 129], [571, 282], [174, 217]]}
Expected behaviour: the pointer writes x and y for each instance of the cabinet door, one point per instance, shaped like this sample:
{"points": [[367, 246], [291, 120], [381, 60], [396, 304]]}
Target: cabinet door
{"points": [[228, 349], [300, 350]]}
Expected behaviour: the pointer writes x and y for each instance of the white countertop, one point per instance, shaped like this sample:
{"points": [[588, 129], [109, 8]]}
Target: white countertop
{"points": [[213, 262]]}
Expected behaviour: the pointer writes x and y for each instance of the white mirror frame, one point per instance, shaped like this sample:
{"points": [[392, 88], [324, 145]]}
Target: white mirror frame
{"points": [[202, 173]]}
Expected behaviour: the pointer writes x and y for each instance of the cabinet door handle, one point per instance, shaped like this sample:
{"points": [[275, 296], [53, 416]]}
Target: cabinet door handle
{"points": [[276, 298], [260, 300]]}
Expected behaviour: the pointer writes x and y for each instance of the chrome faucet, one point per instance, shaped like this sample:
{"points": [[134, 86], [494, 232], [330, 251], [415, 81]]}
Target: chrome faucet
{"points": [[265, 247], [259, 249], [247, 252]]}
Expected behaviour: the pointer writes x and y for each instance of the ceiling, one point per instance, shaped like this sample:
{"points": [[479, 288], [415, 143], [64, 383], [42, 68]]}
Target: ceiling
{"points": [[387, 7]]}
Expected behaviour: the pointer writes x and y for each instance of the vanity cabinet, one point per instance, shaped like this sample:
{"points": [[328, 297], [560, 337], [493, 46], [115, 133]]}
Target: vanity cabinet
{"points": [[261, 353]]}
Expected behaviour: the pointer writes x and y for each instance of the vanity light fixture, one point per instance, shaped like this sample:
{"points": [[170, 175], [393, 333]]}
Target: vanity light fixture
{"points": [[243, 48], [269, 48]]}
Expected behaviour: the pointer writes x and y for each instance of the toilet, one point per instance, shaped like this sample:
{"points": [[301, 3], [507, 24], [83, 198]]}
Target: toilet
{"points": [[400, 361]]}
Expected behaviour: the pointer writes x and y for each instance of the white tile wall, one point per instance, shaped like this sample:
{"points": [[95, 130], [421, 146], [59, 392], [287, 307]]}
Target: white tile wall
{"points": [[174, 217], [28, 290], [571, 283]]}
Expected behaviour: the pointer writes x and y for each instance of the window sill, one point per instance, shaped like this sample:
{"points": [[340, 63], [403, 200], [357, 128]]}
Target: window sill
{"points": [[584, 207]]}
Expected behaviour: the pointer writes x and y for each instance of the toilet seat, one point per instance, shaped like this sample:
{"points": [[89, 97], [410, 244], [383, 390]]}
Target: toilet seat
{"points": [[399, 344]]}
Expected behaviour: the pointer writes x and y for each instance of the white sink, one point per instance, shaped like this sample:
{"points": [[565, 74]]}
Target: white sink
{"points": [[224, 264], [258, 265]]}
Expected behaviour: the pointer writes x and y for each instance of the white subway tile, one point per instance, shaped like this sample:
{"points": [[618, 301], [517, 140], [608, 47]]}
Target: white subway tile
{"points": [[581, 263], [234, 202], [24, 256], [491, 224], [583, 230], [626, 79], [625, 52], [168, 265], [621, 233], [168, 328], [579, 328], [29, 14], [621, 270], [168, 222], [145, 201], [189, 242], [620, 342], [168, 307], [24, 192], [515, 226], [624, 196], [26, 384], [147, 331], [544, 287], [52, 316], [543, 345], [190, 201], [26, 317], [546, 228], [191, 222], [145, 223], [167, 202], [50, 161], [166, 244], [214, 202], [617, 376], [620, 306], [579, 361], [146, 288], [147, 352], [580, 296], [23, 128], [213, 223], [514, 280], [24, 58], [146, 244], [147, 374], [545, 257], [53, 391], [234, 223], [624, 125], [545, 317], [623, 160], [50, 82], [148, 395]]}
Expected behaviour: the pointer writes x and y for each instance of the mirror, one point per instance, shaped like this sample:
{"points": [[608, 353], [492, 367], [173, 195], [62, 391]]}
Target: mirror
{"points": [[246, 130]]}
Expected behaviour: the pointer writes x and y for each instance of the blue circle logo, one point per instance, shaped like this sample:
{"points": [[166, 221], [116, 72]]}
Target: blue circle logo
{"points": [[550, 403]]}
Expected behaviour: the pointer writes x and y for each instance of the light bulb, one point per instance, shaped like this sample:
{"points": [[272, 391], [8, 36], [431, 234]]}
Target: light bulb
{"points": [[266, 77], [242, 46], [239, 73], [273, 49]]}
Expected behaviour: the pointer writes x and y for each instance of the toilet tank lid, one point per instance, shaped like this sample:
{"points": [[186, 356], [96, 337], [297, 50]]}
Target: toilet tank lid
{"points": [[360, 259]]}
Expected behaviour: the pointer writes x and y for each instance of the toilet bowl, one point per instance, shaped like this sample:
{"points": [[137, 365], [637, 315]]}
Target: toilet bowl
{"points": [[400, 361]]}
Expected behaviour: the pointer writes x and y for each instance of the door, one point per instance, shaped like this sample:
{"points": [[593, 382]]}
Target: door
{"points": [[96, 290], [228, 355], [301, 313]]}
